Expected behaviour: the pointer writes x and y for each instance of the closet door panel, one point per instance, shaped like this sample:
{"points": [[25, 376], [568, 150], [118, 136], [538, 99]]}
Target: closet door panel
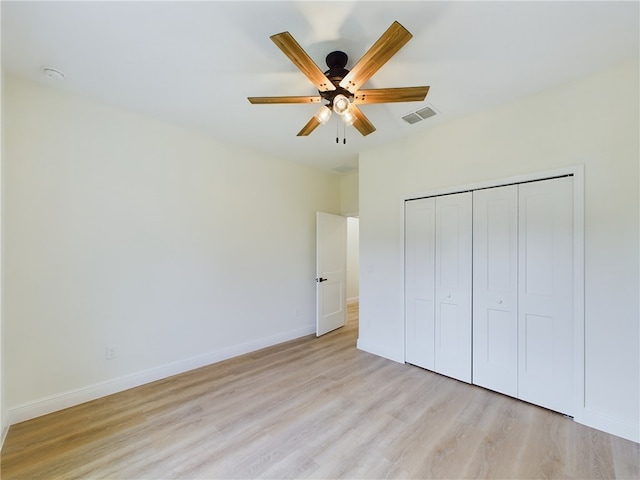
{"points": [[420, 282], [495, 289], [545, 302], [453, 286]]}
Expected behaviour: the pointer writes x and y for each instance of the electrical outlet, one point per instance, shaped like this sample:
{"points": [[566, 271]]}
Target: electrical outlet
{"points": [[110, 352]]}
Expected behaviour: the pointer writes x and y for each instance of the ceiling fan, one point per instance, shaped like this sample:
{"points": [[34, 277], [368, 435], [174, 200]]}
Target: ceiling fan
{"points": [[340, 87]]}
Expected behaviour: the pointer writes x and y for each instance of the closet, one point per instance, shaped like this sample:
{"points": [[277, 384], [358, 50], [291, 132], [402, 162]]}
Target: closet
{"points": [[489, 289]]}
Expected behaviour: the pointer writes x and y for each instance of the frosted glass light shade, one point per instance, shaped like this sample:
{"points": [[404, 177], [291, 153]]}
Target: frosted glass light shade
{"points": [[340, 104], [323, 114], [348, 117]]}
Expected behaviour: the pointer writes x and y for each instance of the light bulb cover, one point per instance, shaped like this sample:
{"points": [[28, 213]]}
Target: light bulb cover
{"points": [[340, 104], [348, 117], [323, 114]]}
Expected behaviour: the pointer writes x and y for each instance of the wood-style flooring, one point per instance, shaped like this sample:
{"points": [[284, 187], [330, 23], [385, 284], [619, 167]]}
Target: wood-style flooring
{"points": [[312, 408]]}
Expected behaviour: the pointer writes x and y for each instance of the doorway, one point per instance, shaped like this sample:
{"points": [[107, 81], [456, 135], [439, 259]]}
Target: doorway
{"points": [[353, 271]]}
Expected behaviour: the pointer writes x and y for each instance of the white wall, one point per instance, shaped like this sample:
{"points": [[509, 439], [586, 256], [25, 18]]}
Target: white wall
{"points": [[349, 194], [594, 122], [4, 426], [121, 230], [353, 260], [349, 207]]}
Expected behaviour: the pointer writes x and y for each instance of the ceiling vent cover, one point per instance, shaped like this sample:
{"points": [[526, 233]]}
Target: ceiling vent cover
{"points": [[421, 114], [412, 118]]}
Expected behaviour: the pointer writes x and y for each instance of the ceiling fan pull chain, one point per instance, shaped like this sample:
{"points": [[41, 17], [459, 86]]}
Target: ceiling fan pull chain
{"points": [[337, 131], [344, 133]]}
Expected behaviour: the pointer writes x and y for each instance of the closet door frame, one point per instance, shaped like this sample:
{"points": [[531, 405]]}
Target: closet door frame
{"points": [[577, 172]]}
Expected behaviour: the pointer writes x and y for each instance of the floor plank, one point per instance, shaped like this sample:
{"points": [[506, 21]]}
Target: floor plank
{"points": [[312, 408]]}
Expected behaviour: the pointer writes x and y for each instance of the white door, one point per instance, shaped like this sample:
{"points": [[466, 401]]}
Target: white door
{"points": [[495, 289], [420, 251], [453, 286], [545, 302], [331, 276]]}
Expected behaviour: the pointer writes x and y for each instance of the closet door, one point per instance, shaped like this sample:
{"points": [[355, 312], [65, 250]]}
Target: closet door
{"points": [[545, 302], [419, 281], [495, 289], [453, 286]]}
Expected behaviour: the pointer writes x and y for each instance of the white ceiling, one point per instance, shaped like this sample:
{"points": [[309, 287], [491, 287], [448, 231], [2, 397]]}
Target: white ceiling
{"points": [[194, 63]]}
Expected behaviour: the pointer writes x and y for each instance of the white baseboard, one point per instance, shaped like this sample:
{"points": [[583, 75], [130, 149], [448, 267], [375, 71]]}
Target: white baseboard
{"points": [[68, 399], [615, 426], [3, 436], [379, 351], [353, 300]]}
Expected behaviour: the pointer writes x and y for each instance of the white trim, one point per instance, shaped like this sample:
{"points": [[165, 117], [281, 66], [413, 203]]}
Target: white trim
{"points": [[610, 424], [3, 436], [379, 351], [581, 415], [402, 278], [102, 389], [578, 296]]}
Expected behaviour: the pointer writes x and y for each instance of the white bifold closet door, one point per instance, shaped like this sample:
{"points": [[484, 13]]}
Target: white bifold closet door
{"points": [[438, 284], [523, 291], [420, 254], [495, 289], [452, 349], [489, 289], [545, 294]]}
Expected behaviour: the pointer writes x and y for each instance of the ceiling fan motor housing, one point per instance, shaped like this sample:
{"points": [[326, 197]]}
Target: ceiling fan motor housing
{"points": [[336, 61]]}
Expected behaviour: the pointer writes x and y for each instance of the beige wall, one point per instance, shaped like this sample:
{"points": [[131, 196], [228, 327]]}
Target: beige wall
{"points": [[124, 231], [353, 259], [349, 194], [349, 207], [4, 423], [593, 122]]}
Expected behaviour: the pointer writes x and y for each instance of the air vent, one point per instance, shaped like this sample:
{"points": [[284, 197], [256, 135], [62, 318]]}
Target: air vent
{"points": [[412, 118], [420, 114], [426, 112]]}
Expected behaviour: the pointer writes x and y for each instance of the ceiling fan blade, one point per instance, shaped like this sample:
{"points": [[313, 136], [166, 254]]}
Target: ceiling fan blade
{"points": [[300, 59], [309, 127], [385, 47], [288, 99], [362, 123], [389, 95]]}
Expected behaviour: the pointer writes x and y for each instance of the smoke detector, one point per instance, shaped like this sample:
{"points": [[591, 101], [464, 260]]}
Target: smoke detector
{"points": [[52, 73]]}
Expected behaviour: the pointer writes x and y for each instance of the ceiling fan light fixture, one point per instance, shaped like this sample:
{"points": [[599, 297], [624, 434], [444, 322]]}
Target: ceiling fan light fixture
{"points": [[348, 117], [340, 104], [323, 114]]}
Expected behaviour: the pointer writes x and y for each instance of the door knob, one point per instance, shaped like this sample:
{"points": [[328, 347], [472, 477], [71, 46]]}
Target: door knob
{"points": [[320, 280]]}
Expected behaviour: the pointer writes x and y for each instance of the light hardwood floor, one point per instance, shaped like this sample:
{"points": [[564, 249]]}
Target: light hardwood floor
{"points": [[312, 408]]}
